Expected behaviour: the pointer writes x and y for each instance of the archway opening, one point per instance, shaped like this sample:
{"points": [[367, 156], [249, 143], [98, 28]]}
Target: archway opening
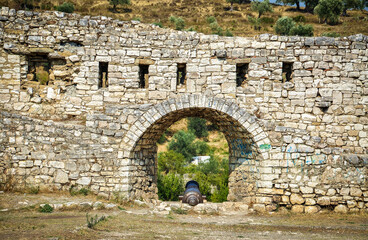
{"points": [[244, 155], [193, 149]]}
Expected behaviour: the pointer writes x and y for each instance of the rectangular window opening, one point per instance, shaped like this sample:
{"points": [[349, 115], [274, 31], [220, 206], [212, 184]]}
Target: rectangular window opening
{"points": [[241, 73], [143, 76], [39, 68], [103, 71], [287, 71], [181, 74]]}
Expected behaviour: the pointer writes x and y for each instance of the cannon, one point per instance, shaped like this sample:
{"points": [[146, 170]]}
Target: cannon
{"points": [[192, 195]]}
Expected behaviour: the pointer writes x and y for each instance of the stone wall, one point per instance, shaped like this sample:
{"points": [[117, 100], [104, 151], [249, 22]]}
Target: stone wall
{"points": [[295, 138]]}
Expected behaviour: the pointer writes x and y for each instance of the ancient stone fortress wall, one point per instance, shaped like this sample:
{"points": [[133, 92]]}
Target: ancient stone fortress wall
{"points": [[84, 99]]}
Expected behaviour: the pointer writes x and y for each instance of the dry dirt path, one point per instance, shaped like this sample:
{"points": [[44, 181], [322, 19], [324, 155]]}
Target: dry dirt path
{"points": [[23, 221]]}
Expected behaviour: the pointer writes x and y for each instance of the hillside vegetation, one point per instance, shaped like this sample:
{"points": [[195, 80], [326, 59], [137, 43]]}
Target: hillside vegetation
{"points": [[195, 15]]}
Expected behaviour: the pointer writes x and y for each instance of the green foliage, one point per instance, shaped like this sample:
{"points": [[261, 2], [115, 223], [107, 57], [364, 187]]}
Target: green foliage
{"points": [[137, 19], [92, 221], [46, 209], [171, 161], [204, 183], [211, 19], [331, 34], [220, 194], [179, 211], [178, 22], [261, 7], [182, 142], [302, 30], [290, 2], [267, 20], [284, 25], [329, 11], [198, 126], [66, 7], [162, 139], [350, 4], [75, 192], [256, 22], [170, 186], [310, 4], [300, 18], [119, 2], [287, 26], [158, 24], [228, 33]]}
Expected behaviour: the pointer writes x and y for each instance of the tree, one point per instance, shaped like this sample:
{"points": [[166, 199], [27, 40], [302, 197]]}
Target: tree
{"points": [[198, 126], [182, 142], [329, 11], [171, 161], [232, 2], [291, 2], [118, 2], [310, 5], [350, 4], [261, 7]]}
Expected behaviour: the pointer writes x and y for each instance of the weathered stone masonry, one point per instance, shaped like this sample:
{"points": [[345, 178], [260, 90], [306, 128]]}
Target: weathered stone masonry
{"points": [[295, 138]]}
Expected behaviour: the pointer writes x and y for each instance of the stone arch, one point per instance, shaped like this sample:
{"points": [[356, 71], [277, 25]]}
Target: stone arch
{"points": [[248, 143]]}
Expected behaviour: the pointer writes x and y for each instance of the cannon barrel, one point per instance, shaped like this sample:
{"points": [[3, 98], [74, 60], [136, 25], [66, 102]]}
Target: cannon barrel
{"points": [[192, 195]]}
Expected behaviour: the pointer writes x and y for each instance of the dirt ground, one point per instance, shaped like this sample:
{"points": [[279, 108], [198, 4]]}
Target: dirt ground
{"points": [[22, 220]]}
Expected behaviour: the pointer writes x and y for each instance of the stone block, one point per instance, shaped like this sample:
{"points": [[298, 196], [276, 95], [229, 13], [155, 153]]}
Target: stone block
{"points": [[296, 199], [311, 209], [297, 208], [341, 209]]}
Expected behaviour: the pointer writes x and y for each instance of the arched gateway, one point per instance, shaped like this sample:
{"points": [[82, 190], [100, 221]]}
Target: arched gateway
{"points": [[248, 143]]}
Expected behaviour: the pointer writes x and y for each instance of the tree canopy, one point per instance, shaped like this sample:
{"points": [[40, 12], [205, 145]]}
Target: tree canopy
{"points": [[261, 7]]}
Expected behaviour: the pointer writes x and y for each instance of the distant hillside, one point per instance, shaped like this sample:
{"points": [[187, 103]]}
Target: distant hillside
{"points": [[195, 14]]}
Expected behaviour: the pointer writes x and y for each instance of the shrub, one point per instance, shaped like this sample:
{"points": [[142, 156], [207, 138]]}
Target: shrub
{"points": [[170, 186], [256, 22], [198, 126], [228, 33], [46, 208], [158, 24], [178, 22], [171, 161], [300, 18], [267, 20], [66, 7], [82, 191], [42, 76], [301, 30], [211, 19], [92, 221], [284, 25], [162, 139]]}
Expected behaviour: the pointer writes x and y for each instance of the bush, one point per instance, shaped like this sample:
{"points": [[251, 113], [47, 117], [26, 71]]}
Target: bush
{"points": [[301, 30], [198, 126], [228, 33], [46, 208], [66, 7], [267, 20], [284, 25], [171, 161], [178, 22], [42, 76], [256, 22], [75, 192], [211, 19], [300, 18], [162, 139], [158, 24], [170, 186], [92, 221]]}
